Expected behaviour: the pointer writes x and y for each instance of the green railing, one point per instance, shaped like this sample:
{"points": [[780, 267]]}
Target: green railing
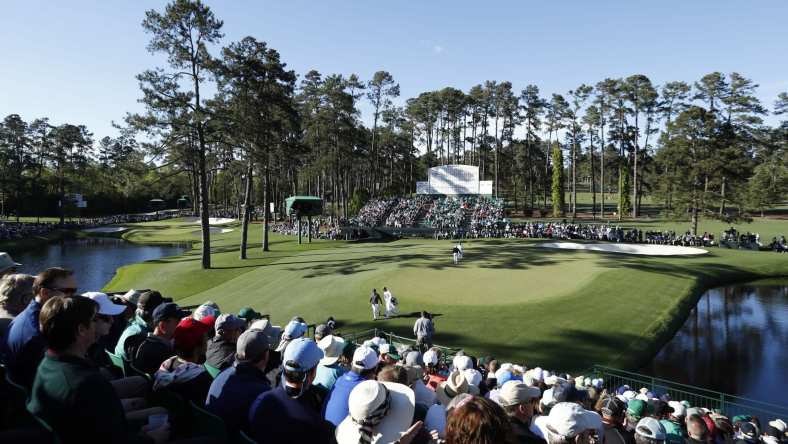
{"points": [[696, 396], [447, 353]]}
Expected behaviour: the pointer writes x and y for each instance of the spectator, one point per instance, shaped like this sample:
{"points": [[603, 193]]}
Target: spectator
{"points": [[423, 329], [234, 390], [24, 346], [636, 409], [696, 430], [321, 331], [393, 373], [294, 329], [363, 367], [273, 334], [16, 291], [570, 423], [519, 401], [206, 310], [378, 412], [221, 348], [431, 359], [613, 410], [68, 392], [649, 431], [7, 265], [140, 325], [249, 315], [157, 346], [674, 432], [478, 421], [329, 369], [184, 373], [290, 413], [454, 385]]}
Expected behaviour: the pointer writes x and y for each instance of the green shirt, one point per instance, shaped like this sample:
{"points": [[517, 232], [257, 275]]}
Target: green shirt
{"points": [[136, 326], [673, 432], [70, 394]]}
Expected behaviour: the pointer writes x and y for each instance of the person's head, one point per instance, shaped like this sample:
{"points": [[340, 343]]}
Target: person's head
{"points": [[519, 400], [649, 431], [68, 323], [612, 409], [147, 303], [388, 354], [7, 265], [229, 327], [679, 412], [636, 409], [54, 282], [423, 314], [364, 362], [300, 361], [190, 339], [252, 348], [16, 291], [249, 315], [385, 289], [393, 373], [696, 428], [569, 423], [106, 312], [321, 331], [166, 318], [478, 421]]}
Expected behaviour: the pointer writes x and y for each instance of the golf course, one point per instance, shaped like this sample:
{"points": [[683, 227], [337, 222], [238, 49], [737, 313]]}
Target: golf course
{"points": [[512, 299]]}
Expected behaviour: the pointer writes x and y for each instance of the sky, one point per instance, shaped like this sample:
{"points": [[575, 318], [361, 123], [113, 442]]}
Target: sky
{"points": [[76, 61]]}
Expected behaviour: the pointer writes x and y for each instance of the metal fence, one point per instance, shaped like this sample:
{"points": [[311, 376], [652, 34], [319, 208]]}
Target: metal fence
{"points": [[399, 342], [696, 396]]}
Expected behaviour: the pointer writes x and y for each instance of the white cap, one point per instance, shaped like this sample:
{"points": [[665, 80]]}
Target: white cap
{"points": [[473, 376], [462, 362], [365, 358], [384, 348], [105, 306], [568, 419], [679, 411], [430, 357], [378, 341]]}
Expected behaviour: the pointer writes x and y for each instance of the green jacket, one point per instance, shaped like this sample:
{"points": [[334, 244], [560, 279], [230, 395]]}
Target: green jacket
{"points": [[135, 327], [70, 394]]}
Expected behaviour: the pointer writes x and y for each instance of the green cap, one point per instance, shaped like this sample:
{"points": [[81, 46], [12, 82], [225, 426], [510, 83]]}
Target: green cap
{"points": [[249, 314], [741, 418], [636, 408]]}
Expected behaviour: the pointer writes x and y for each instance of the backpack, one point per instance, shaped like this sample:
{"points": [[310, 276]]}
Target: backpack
{"points": [[394, 301]]}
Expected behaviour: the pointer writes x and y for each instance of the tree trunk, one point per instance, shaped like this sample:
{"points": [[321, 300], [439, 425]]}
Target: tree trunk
{"points": [[246, 207], [722, 204], [266, 209]]}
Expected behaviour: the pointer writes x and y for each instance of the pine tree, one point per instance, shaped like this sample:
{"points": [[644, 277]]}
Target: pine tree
{"points": [[558, 181]]}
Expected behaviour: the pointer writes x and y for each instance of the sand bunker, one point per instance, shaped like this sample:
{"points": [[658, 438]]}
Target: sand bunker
{"points": [[639, 249], [106, 230], [211, 220], [215, 230]]}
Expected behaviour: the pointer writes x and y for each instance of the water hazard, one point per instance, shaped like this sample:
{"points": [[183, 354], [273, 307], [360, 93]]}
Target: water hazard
{"points": [[94, 259], [734, 341]]}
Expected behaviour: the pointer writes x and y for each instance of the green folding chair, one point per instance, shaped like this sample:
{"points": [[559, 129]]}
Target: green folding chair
{"points": [[206, 424], [213, 371], [118, 362]]}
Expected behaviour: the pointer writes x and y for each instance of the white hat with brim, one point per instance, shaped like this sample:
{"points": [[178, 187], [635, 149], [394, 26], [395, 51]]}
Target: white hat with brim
{"points": [[569, 420], [7, 262], [132, 296], [332, 347], [454, 385], [364, 397], [105, 306]]}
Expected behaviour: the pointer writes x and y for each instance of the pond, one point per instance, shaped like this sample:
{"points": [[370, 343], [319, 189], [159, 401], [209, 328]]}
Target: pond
{"points": [[734, 341], [93, 259]]}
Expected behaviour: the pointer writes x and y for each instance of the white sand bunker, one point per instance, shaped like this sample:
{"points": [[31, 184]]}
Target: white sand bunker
{"points": [[640, 249], [215, 230], [211, 220], [106, 230]]}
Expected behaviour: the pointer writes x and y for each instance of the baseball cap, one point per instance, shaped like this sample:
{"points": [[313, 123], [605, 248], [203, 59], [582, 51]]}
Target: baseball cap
{"points": [[613, 407], [295, 329], [649, 427], [205, 310], [473, 376], [365, 358], [515, 392], [462, 362], [679, 411], [249, 314], [322, 330], [168, 310], [252, 345], [636, 408], [430, 357], [132, 296], [661, 407], [7, 262], [227, 321], [748, 431], [105, 306], [149, 300], [301, 355], [503, 375], [189, 334], [569, 419]]}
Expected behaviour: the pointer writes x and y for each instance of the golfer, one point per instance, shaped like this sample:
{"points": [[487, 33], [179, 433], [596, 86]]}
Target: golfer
{"points": [[455, 254], [391, 303], [459, 247], [375, 301]]}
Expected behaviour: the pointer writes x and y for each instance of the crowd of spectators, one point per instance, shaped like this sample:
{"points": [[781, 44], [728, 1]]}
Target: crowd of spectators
{"points": [[285, 385], [373, 212], [779, 244], [406, 212], [13, 230], [322, 228]]}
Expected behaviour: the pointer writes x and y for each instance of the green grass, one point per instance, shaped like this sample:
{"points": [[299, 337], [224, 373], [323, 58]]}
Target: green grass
{"points": [[508, 298]]}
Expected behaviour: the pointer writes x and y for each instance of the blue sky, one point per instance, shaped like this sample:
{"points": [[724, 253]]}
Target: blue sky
{"points": [[75, 61]]}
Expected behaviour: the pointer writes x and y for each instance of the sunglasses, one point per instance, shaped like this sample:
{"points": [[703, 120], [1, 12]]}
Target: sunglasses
{"points": [[65, 291]]}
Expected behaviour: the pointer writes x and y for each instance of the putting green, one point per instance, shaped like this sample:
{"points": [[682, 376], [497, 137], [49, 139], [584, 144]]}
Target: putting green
{"points": [[507, 298]]}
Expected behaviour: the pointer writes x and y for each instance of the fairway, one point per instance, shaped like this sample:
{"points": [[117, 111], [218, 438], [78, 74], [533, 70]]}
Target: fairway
{"points": [[560, 308]]}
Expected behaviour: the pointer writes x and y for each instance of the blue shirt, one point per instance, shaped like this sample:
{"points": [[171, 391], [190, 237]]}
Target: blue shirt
{"points": [[24, 346], [327, 375], [336, 408], [276, 418], [232, 393]]}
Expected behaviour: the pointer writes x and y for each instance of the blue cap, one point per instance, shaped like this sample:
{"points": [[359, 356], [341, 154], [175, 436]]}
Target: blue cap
{"points": [[504, 377], [295, 329], [304, 352]]}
